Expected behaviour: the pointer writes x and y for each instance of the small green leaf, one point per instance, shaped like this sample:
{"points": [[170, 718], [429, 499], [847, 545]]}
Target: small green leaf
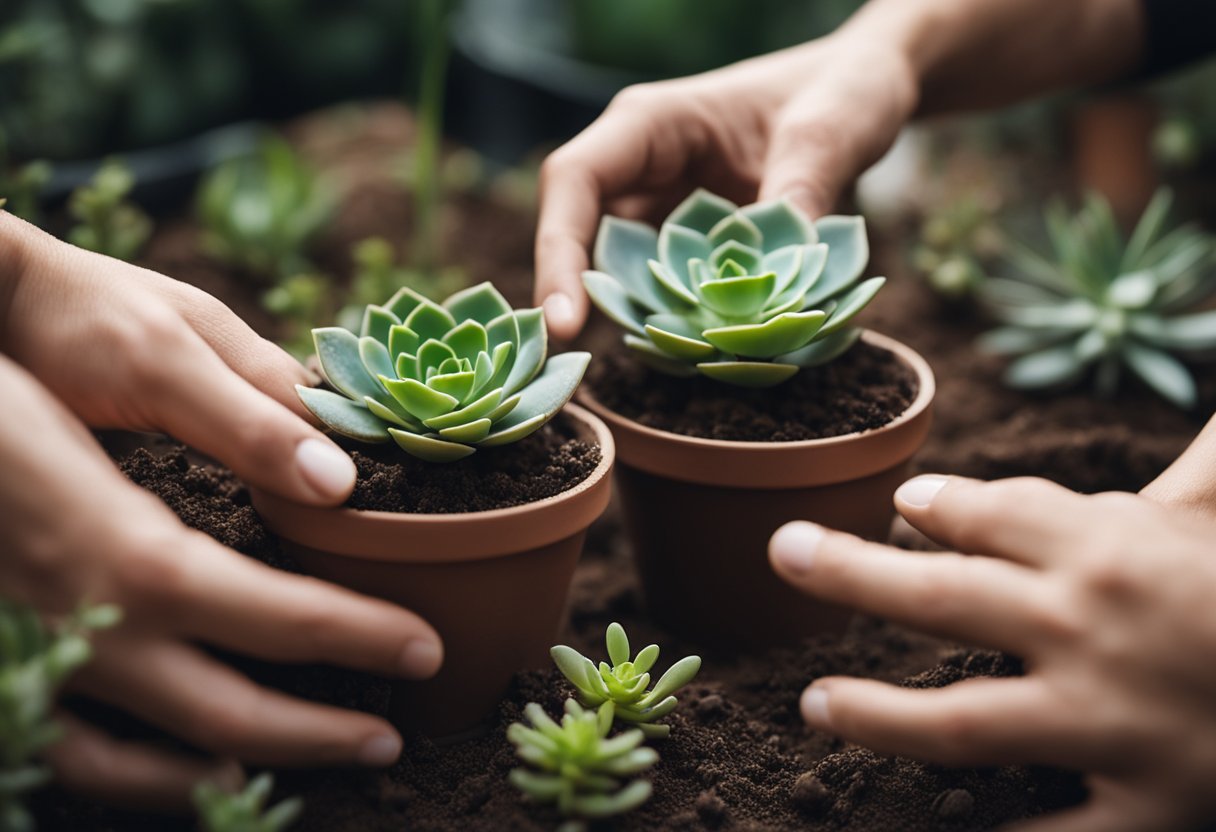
{"points": [[848, 253], [430, 320], [468, 339], [481, 408], [421, 401], [672, 283], [403, 339], [618, 643], [676, 337], [481, 303], [543, 398], [657, 359], [784, 333], [647, 656], [701, 211], [822, 351], [851, 304], [377, 321], [338, 352], [404, 302], [533, 348], [375, 358], [470, 433], [739, 297], [677, 246], [432, 354], [429, 448], [342, 415], [737, 228], [748, 259], [1045, 368], [747, 373], [611, 298], [623, 248], [676, 677], [456, 385], [781, 224]]}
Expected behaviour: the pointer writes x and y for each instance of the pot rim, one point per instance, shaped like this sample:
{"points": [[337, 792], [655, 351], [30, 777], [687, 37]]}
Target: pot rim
{"points": [[438, 538], [697, 456]]}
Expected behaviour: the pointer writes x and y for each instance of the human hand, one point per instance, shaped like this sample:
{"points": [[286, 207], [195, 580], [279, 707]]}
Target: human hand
{"points": [[76, 531], [128, 348], [1108, 599], [799, 124]]}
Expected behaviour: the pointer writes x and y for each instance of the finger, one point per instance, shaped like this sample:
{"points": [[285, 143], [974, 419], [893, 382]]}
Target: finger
{"points": [[974, 722], [89, 761], [808, 163], [178, 689], [191, 394], [1024, 519], [1100, 814], [976, 600], [229, 600], [604, 160], [261, 363]]}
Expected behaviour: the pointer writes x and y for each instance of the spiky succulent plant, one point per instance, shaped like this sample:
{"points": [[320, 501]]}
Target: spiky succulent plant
{"points": [[576, 766], [245, 810], [1105, 302], [747, 296], [626, 683], [442, 380]]}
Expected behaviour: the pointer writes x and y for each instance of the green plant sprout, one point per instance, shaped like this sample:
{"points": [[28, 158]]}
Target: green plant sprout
{"points": [[1106, 303], [244, 811], [260, 213], [428, 193], [955, 242], [35, 659], [300, 301], [746, 296], [108, 222], [624, 683], [442, 380], [577, 767], [21, 185], [378, 275]]}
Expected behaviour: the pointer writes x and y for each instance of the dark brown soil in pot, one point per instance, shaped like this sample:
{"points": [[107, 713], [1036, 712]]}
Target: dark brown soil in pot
{"points": [[548, 462], [863, 390]]}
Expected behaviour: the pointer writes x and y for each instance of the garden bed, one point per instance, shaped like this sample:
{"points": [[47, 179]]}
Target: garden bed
{"points": [[739, 756]]}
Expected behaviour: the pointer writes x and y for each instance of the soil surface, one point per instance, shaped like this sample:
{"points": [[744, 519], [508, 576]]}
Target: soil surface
{"points": [[864, 389], [739, 757], [548, 462]]}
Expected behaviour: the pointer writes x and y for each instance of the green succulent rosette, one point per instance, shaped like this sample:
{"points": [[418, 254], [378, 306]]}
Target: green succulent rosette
{"points": [[442, 380], [747, 296], [1101, 303]]}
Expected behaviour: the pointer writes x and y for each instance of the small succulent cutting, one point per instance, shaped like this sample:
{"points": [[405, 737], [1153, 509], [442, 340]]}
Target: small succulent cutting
{"points": [[108, 222], [747, 296], [1103, 302], [626, 683], [442, 380], [260, 213], [244, 811], [576, 766], [35, 659]]}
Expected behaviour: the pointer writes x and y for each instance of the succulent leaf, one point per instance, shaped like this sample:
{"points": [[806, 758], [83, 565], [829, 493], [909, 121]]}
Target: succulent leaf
{"points": [[1099, 304], [469, 373], [731, 289]]}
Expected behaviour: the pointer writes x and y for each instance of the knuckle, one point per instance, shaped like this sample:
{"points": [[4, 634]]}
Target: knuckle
{"points": [[229, 726], [798, 130], [635, 95], [147, 570]]}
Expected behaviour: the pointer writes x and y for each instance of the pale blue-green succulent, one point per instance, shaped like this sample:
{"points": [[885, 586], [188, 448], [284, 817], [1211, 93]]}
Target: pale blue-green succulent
{"points": [[1104, 303], [747, 296], [442, 380], [576, 766], [626, 682], [245, 810]]}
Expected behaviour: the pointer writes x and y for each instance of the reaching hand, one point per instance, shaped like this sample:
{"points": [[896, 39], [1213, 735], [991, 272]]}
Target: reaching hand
{"points": [[125, 347], [1109, 599], [799, 124], [75, 530]]}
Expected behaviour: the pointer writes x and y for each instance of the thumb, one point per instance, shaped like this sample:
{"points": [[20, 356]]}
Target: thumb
{"points": [[806, 165]]}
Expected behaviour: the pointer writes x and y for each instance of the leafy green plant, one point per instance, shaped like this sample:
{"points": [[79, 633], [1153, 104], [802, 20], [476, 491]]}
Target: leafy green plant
{"points": [[34, 660], [747, 296], [109, 223], [260, 213], [244, 811], [576, 766], [1104, 302], [378, 275], [954, 244], [442, 380], [21, 184], [626, 683]]}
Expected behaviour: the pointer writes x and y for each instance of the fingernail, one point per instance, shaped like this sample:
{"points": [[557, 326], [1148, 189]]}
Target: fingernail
{"points": [[815, 707], [559, 309], [794, 545], [380, 751], [421, 658], [323, 465], [919, 492]]}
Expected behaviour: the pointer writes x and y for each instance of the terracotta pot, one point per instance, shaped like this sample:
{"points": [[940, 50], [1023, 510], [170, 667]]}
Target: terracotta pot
{"points": [[492, 583], [1113, 137], [700, 512]]}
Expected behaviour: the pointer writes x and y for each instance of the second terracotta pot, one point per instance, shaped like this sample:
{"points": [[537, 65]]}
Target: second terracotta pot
{"points": [[492, 583], [700, 512]]}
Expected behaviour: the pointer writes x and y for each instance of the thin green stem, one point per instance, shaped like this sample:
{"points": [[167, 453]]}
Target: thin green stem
{"points": [[428, 195]]}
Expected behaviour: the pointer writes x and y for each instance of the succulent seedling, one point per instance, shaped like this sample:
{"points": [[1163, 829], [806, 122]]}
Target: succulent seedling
{"points": [[244, 811], [576, 766], [34, 660], [956, 240], [746, 296], [626, 682], [1104, 303], [442, 380], [260, 213], [108, 222]]}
